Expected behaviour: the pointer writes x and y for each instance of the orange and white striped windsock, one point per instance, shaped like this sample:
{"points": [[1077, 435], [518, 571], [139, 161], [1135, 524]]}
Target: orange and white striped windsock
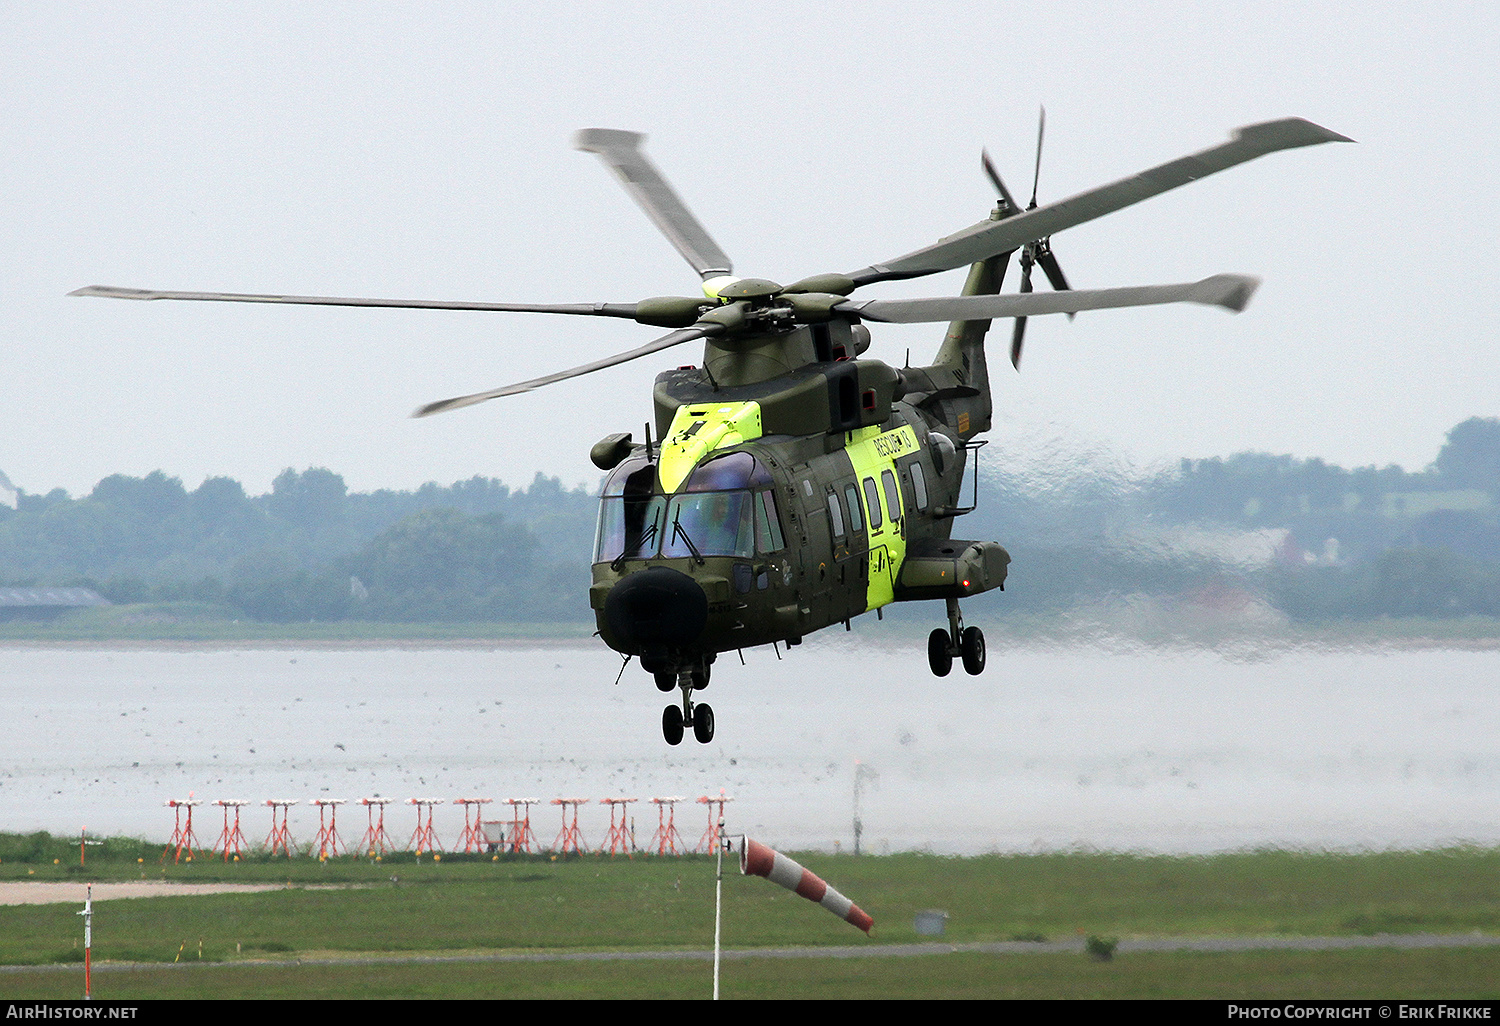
{"points": [[758, 860]]}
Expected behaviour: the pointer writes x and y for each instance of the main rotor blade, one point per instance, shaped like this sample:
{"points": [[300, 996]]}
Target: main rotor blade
{"points": [[665, 342], [621, 151], [1231, 291], [595, 309], [988, 238]]}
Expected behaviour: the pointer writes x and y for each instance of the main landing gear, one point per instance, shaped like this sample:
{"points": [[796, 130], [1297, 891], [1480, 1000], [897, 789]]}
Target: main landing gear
{"points": [[699, 716], [965, 642]]}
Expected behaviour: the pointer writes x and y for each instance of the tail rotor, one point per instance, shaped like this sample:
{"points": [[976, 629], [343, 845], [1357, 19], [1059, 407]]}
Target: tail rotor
{"points": [[1033, 254]]}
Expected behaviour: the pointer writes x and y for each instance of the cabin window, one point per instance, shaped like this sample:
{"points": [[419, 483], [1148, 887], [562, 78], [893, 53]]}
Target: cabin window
{"points": [[835, 515], [768, 525], [892, 494], [919, 485], [872, 502], [856, 521]]}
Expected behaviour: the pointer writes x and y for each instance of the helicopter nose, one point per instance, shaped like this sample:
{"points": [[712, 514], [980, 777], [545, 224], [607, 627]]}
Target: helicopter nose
{"points": [[657, 606]]}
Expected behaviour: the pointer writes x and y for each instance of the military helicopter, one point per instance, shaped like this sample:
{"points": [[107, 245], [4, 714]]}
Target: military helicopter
{"points": [[790, 484]]}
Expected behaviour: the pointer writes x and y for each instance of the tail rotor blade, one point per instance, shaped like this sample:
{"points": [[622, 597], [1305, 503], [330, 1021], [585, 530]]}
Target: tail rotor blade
{"points": [[1018, 335], [994, 176], [1036, 177], [1052, 269]]}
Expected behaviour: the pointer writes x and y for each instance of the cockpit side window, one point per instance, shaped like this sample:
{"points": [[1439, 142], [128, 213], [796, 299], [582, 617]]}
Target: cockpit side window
{"points": [[630, 515], [768, 525]]}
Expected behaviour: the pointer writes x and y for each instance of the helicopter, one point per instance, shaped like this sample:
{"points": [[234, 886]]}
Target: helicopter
{"points": [[790, 483]]}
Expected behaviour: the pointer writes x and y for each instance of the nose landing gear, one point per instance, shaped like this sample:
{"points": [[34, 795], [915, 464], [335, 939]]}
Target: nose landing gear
{"points": [[965, 642], [699, 715]]}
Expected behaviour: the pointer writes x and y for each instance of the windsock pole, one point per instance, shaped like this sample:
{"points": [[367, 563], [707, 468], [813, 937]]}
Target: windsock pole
{"points": [[758, 860], [88, 942], [718, 902]]}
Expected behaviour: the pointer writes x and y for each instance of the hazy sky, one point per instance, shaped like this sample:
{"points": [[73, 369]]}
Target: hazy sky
{"points": [[423, 150]]}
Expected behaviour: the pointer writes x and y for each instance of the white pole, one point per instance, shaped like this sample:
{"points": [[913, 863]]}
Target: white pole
{"points": [[88, 941], [718, 904]]}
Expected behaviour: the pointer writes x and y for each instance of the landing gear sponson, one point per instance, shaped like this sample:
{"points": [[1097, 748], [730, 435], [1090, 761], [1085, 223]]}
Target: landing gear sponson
{"points": [[965, 642]]}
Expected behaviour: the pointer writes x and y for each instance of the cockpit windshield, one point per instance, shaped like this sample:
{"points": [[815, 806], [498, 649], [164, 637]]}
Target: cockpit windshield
{"points": [[712, 515], [712, 523]]}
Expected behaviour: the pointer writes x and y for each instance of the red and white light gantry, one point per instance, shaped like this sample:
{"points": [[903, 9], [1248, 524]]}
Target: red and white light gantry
{"points": [[619, 841], [472, 839], [280, 839], [424, 839], [376, 841], [568, 839], [232, 839], [710, 839], [521, 836], [667, 839], [329, 845], [183, 838]]}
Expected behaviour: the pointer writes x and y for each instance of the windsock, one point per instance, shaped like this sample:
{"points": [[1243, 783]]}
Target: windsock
{"points": [[758, 860]]}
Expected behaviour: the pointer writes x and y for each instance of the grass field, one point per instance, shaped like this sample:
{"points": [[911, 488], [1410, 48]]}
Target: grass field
{"points": [[244, 945], [1381, 974]]}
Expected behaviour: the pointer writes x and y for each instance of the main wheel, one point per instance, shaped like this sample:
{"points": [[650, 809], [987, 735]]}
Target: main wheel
{"points": [[666, 680], [938, 656], [671, 725], [699, 679], [703, 723], [971, 647]]}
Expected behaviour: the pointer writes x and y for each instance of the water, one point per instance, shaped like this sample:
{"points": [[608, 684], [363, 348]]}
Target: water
{"points": [[1049, 749]]}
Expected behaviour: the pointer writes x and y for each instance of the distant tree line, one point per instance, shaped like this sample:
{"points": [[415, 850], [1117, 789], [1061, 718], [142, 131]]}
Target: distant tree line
{"points": [[309, 549], [1358, 543], [1373, 541]]}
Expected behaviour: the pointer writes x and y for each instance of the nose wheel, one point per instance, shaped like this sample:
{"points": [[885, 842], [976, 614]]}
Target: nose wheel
{"points": [[698, 715], [671, 725], [967, 643]]}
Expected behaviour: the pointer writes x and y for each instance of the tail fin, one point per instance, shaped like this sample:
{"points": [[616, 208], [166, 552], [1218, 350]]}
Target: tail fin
{"points": [[959, 380]]}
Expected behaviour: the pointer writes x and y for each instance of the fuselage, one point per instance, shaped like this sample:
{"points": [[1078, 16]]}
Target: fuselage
{"points": [[724, 536]]}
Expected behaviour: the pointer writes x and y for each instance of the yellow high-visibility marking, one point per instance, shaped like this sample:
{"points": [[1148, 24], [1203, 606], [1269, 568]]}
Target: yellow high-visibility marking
{"points": [[712, 286], [871, 451], [699, 429]]}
